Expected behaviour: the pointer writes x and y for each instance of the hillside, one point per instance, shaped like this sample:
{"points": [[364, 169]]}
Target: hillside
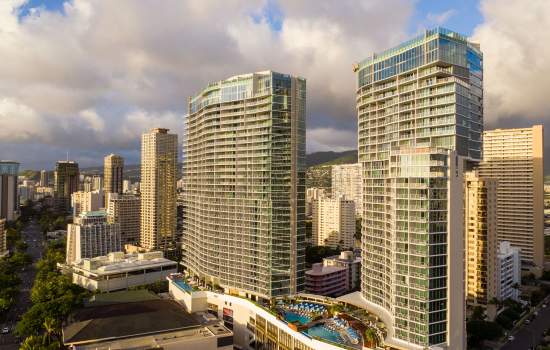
{"points": [[331, 158], [319, 173]]}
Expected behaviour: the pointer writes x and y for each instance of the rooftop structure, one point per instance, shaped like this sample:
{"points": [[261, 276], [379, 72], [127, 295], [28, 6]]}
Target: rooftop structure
{"points": [[119, 271], [143, 325]]}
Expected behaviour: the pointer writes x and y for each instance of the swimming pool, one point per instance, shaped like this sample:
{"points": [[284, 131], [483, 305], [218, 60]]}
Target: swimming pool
{"points": [[294, 317], [325, 333], [186, 288]]}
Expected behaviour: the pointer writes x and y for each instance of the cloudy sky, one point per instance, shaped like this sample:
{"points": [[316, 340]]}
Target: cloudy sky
{"points": [[89, 76]]}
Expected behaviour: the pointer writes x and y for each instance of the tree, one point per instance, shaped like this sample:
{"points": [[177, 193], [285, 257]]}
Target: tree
{"points": [[371, 338], [32, 342], [478, 331], [478, 314]]}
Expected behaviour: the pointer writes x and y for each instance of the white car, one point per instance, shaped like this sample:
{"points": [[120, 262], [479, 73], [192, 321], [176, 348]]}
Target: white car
{"points": [[5, 330], [511, 338]]}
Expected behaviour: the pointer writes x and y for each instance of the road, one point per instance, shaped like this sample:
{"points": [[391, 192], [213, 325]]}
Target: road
{"points": [[32, 235], [530, 334]]}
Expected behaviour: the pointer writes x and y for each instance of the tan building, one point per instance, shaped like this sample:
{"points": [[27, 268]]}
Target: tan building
{"points": [[515, 158], [312, 194], [159, 153], [113, 167], [333, 222], [480, 203], [67, 180], [3, 241], [124, 209], [346, 180], [87, 201]]}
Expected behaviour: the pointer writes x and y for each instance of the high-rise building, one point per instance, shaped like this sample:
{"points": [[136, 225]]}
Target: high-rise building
{"points": [[333, 222], [3, 238], [244, 191], [159, 154], [480, 215], [312, 194], [9, 202], [87, 201], [124, 209], [97, 182], [67, 180], [44, 178], [515, 158], [92, 236], [113, 167], [420, 108], [346, 180]]}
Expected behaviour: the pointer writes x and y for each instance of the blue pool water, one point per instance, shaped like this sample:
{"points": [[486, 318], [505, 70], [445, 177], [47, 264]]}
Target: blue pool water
{"points": [[293, 317], [325, 333], [187, 288]]}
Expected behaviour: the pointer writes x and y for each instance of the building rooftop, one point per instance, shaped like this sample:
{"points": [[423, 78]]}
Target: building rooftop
{"points": [[126, 320], [119, 262], [319, 270]]}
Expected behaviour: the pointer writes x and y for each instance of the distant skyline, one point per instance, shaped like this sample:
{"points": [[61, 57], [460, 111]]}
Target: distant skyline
{"points": [[88, 77]]}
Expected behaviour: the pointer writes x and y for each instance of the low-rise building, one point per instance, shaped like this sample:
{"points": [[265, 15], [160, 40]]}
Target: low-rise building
{"points": [[119, 271], [144, 324], [509, 271], [326, 280], [351, 261], [57, 234], [42, 192]]}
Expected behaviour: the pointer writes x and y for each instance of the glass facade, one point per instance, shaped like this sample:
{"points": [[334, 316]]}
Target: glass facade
{"points": [[244, 174], [416, 103]]}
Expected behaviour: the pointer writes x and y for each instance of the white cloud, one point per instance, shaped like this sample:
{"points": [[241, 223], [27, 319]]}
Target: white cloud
{"points": [[104, 71], [514, 40], [440, 18], [330, 139]]}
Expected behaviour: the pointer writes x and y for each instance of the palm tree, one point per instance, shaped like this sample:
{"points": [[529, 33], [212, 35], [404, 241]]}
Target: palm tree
{"points": [[50, 326], [371, 338], [32, 342]]}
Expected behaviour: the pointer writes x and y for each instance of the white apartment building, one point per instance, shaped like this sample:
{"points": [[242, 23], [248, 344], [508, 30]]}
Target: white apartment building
{"points": [[346, 180], [333, 222], [124, 209], [92, 236], [119, 271], [508, 271], [87, 201]]}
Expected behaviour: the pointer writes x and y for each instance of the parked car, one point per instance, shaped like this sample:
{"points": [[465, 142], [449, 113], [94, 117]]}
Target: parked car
{"points": [[510, 338], [5, 330]]}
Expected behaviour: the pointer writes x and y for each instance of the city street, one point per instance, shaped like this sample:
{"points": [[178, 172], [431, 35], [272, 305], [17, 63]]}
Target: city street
{"points": [[32, 235], [529, 335]]}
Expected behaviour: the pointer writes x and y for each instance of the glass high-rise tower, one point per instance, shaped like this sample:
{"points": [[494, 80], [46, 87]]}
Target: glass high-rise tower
{"points": [[244, 184], [420, 115]]}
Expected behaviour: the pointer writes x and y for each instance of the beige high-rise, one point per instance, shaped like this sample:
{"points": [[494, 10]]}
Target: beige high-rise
{"points": [[515, 158], [480, 205], [113, 166], [333, 222], [346, 180], [124, 209], [87, 201], [159, 153]]}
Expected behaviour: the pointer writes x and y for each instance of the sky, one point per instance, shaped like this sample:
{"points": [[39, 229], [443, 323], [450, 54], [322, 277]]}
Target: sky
{"points": [[87, 77]]}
